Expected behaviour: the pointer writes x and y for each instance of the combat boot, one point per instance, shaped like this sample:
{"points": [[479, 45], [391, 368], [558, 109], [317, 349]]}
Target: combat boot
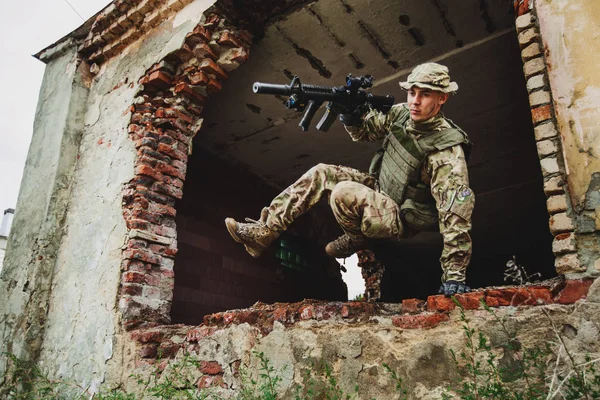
{"points": [[254, 235], [345, 246]]}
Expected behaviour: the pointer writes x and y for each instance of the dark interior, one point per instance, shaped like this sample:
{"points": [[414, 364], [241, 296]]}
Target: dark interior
{"points": [[253, 148]]}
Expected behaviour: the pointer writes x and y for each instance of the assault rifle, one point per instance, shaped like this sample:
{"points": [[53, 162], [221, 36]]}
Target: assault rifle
{"points": [[347, 99]]}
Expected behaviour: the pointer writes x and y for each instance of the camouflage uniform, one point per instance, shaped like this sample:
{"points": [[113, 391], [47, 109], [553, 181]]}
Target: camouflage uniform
{"points": [[361, 209]]}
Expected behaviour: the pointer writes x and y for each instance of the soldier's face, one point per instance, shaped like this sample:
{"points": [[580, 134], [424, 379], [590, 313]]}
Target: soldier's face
{"points": [[424, 103]]}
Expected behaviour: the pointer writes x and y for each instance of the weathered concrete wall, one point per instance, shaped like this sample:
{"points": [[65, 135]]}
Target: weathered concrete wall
{"points": [[62, 269], [39, 221], [83, 318], [356, 339], [569, 32]]}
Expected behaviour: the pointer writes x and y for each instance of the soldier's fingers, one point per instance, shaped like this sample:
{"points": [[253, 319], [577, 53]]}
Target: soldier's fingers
{"points": [[460, 289]]}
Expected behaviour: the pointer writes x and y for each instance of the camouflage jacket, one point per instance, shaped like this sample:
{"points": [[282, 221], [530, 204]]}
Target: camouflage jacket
{"points": [[445, 171]]}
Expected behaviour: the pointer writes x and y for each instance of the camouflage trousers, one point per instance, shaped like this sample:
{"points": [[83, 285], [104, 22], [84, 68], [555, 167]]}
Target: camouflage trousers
{"points": [[358, 208]]}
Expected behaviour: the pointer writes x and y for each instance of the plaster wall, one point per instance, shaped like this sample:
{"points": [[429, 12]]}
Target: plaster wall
{"points": [[28, 266], [83, 321], [69, 229], [572, 49], [357, 346]]}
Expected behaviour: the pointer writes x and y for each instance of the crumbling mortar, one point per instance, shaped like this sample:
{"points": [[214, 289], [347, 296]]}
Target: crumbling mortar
{"points": [[164, 118], [537, 109]]}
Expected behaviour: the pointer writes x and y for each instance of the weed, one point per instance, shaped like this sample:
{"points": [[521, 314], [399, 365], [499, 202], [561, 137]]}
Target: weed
{"points": [[527, 378]]}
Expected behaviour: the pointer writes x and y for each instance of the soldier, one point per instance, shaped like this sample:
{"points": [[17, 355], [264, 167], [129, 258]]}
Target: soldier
{"points": [[418, 181]]}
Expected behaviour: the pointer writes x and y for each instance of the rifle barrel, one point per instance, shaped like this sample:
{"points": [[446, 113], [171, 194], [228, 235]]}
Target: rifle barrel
{"points": [[287, 90]]}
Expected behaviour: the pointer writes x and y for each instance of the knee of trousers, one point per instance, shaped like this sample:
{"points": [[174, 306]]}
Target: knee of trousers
{"points": [[346, 193], [319, 168]]}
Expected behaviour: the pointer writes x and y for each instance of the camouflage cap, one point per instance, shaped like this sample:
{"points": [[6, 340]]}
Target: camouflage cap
{"points": [[430, 76]]}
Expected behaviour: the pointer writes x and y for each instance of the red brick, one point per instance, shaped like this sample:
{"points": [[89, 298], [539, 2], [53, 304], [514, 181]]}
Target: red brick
{"points": [[228, 317], [203, 50], [209, 66], [245, 37], [209, 381], [213, 87], [168, 350], [574, 289], [142, 255], [157, 81], [196, 334], [167, 189], [469, 301], [419, 321], [163, 209], [202, 31], [137, 224], [146, 142], [307, 312], [246, 316], [137, 244], [148, 351], [280, 314], [211, 368], [199, 78], [227, 39], [173, 113], [173, 152], [131, 289], [148, 171], [540, 114], [239, 55], [132, 128], [183, 88], [138, 277], [413, 305], [163, 250], [176, 182], [181, 55], [518, 296], [345, 311], [212, 20], [133, 265], [180, 137], [148, 336]]}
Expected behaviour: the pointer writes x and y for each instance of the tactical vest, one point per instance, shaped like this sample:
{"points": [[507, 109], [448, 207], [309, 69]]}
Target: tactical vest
{"points": [[397, 167]]}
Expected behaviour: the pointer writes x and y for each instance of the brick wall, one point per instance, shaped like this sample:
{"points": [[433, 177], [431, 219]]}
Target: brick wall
{"points": [[213, 272], [164, 119], [548, 142]]}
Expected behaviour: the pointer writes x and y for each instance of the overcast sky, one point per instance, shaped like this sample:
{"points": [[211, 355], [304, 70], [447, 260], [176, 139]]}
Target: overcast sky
{"points": [[27, 28]]}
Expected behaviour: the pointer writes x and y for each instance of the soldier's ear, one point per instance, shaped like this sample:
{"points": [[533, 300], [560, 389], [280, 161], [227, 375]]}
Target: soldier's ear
{"points": [[444, 98]]}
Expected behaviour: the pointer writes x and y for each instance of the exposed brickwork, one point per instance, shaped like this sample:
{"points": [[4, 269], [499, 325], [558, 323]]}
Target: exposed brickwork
{"points": [[573, 291], [372, 271], [546, 134], [123, 22], [164, 341], [164, 119]]}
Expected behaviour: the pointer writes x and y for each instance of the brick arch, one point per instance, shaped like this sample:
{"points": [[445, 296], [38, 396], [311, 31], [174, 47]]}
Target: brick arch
{"points": [[165, 117]]}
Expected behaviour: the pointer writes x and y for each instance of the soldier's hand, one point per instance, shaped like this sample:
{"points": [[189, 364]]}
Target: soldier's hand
{"points": [[450, 288], [351, 119]]}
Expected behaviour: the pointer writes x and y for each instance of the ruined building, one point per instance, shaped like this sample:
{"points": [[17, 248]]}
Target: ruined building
{"points": [[147, 135]]}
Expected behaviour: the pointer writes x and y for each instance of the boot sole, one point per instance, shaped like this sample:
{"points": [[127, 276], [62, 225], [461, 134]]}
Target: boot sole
{"points": [[231, 226]]}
